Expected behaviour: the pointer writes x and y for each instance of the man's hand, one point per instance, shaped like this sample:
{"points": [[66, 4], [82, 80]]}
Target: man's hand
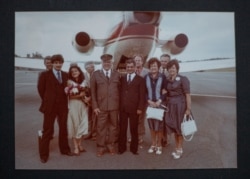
{"points": [[139, 111], [97, 111]]}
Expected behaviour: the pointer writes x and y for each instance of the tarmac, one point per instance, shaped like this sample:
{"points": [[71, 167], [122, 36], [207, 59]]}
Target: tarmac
{"points": [[214, 145]]}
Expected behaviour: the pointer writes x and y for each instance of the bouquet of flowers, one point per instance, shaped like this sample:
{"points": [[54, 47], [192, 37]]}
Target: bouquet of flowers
{"points": [[75, 89]]}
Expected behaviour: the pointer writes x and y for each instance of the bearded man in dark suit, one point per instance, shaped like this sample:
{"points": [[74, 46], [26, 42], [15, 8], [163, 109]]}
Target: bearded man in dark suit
{"points": [[54, 105], [132, 103]]}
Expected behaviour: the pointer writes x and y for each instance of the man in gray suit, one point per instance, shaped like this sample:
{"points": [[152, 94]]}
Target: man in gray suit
{"points": [[105, 84]]}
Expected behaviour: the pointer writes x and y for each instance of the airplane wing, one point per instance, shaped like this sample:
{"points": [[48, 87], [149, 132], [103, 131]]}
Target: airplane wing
{"points": [[38, 64], [204, 65]]}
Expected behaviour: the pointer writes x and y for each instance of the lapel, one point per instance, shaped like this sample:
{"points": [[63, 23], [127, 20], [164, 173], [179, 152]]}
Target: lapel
{"points": [[132, 82], [64, 77], [102, 75], [53, 78]]}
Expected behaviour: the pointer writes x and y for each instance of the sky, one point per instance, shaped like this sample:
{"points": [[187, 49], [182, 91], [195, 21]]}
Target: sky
{"points": [[210, 34]]}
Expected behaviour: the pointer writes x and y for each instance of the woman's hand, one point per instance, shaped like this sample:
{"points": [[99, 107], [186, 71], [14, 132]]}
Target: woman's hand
{"points": [[152, 104], [87, 98], [158, 103], [188, 112]]}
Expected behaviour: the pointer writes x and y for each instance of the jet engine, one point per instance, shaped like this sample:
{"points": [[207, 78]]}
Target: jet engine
{"points": [[175, 45], [83, 43]]}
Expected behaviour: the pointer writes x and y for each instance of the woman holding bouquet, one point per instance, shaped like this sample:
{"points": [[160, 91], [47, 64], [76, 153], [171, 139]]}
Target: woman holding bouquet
{"points": [[78, 109]]}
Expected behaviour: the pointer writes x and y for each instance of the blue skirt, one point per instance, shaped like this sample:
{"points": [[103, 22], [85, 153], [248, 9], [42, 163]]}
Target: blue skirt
{"points": [[155, 125]]}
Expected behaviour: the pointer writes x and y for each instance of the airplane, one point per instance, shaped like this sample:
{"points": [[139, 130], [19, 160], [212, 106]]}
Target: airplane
{"points": [[137, 33]]}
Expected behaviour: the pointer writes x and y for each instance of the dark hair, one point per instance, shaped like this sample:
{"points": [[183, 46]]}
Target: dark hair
{"points": [[47, 58], [57, 57], [81, 76], [153, 60], [172, 63], [165, 55], [130, 60]]}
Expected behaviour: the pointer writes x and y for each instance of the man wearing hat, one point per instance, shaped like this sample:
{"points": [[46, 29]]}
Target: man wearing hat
{"points": [[105, 84], [54, 105]]}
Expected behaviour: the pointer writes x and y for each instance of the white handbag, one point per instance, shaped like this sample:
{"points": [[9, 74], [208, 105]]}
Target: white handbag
{"points": [[155, 113], [188, 127]]}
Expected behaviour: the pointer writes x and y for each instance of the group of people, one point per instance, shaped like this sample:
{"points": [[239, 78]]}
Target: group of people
{"points": [[102, 104]]}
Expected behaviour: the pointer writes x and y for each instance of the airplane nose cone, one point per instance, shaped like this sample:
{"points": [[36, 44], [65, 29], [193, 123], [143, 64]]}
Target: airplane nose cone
{"points": [[82, 39]]}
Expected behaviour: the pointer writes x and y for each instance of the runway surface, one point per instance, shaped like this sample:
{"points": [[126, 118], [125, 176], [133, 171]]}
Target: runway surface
{"points": [[213, 146]]}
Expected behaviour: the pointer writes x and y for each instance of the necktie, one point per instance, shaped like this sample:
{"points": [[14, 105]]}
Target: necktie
{"points": [[129, 78], [59, 77], [107, 75]]}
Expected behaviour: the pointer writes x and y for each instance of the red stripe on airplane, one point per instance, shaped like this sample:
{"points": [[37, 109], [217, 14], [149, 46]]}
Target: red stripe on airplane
{"points": [[138, 29], [129, 38]]}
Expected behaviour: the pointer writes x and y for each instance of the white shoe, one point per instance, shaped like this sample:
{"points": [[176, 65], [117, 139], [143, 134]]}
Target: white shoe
{"points": [[151, 149], [158, 150], [177, 153]]}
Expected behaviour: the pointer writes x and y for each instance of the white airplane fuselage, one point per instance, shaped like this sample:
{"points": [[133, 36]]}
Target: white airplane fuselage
{"points": [[129, 44]]}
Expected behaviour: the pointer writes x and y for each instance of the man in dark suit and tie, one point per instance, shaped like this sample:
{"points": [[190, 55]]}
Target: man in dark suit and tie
{"points": [[132, 103], [54, 105], [105, 85]]}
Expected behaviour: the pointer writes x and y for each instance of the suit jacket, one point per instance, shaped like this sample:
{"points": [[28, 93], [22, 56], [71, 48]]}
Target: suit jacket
{"points": [[104, 92], [132, 95], [49, 88], [87, 78]]}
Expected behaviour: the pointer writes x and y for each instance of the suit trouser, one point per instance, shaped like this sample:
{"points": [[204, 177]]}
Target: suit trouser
{"points": [[107, 129], [133, 125], [141, 124], [48, 128]]}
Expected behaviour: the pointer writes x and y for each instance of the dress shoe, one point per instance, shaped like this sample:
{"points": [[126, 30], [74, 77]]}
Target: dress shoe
{"points": [[68, 153], [112, 151], [135, 153], [43, 159], [120, 152], [99, 153]]}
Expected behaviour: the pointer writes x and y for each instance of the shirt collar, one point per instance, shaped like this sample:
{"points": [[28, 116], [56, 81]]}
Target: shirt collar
{"points": [[109, 72]]}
